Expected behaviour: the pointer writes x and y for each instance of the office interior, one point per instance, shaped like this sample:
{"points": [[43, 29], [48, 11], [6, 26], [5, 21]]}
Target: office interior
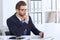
{"points": [[45, 15]]}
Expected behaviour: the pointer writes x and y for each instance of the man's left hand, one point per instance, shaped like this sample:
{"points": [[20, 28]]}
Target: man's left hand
{"points": [[41, 34]]}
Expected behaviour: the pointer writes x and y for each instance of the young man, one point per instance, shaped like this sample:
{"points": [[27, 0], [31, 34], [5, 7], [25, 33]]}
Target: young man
{"points": [[20, 23]]}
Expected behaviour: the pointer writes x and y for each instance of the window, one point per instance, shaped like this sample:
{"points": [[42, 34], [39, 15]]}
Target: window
{"points": [[36, 10], [43, 11]]}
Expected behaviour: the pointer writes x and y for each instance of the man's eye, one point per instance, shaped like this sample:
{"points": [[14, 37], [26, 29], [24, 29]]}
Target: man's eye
{"points": [[23, 9]]}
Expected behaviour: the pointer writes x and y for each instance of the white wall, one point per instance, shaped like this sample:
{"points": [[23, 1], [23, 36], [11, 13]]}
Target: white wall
{"points": [[1, 13]]}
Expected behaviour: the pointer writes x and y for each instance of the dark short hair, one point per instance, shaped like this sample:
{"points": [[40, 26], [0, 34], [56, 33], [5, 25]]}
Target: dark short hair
{"points": [[20, 3]]}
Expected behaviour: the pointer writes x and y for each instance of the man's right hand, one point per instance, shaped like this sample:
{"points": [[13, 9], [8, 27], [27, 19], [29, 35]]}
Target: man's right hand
{"points": [[26, 18]]}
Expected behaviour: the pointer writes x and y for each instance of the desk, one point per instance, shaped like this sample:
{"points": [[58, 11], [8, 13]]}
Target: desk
{"points": [[36, 37]]}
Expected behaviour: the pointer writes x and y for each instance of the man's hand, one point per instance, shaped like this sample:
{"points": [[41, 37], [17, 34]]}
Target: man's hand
{"points": [[26, 18], [41, 34]]}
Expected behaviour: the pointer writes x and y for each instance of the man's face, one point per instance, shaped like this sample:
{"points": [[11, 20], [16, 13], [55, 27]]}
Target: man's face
{"points": [[22, 10]]}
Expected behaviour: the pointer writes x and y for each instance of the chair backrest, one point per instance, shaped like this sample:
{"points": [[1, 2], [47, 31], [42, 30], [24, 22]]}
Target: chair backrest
{"points": [[7, 33]]}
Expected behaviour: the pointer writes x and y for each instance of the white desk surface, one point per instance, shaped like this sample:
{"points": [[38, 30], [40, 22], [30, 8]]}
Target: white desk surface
{"points": [[26, 38]]}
